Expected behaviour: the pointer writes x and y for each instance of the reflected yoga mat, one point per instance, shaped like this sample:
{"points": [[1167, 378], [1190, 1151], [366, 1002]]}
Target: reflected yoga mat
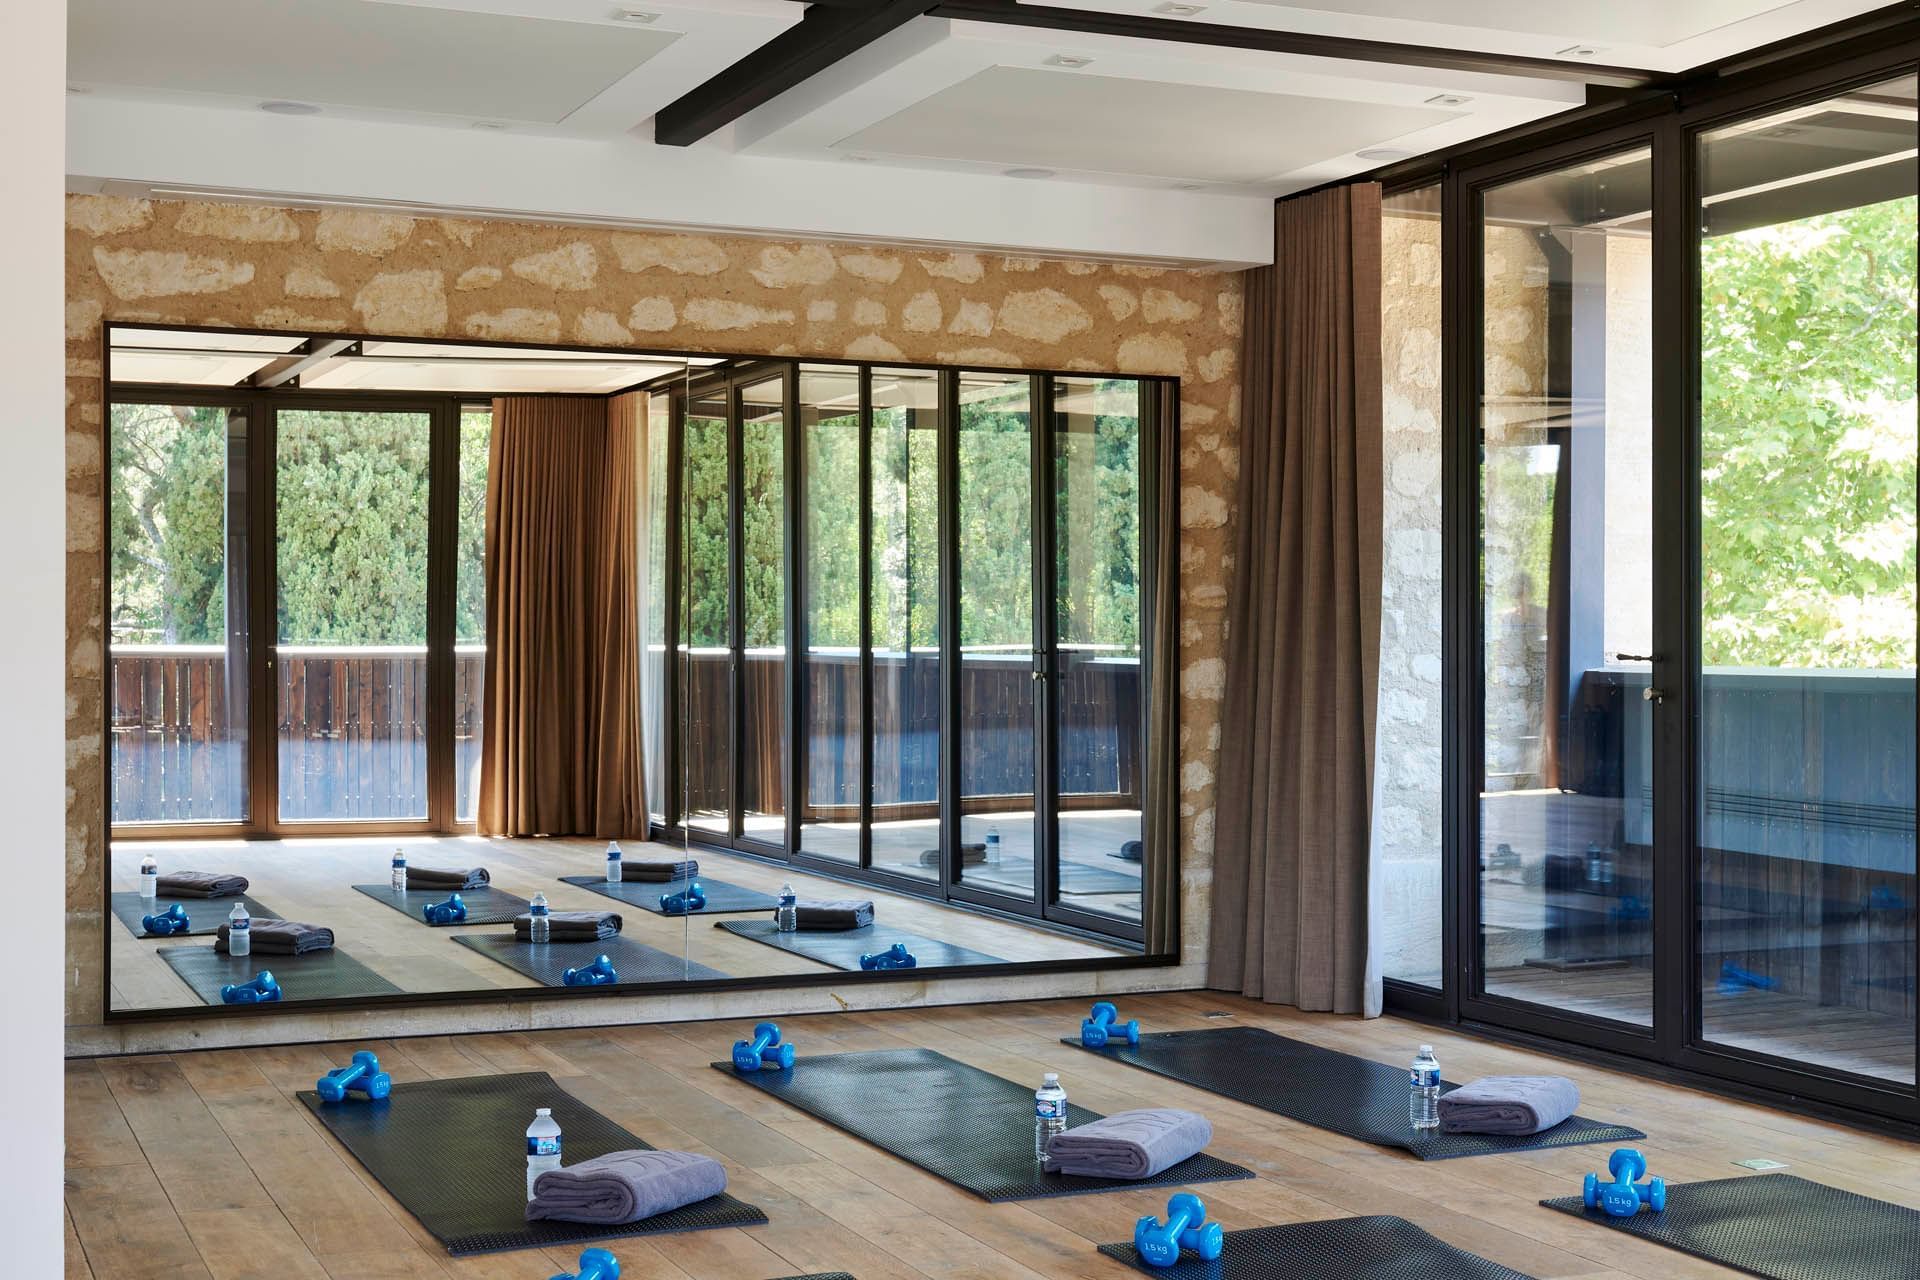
{"points": [[205, 914], [451, 1152], [968, 1126], [842, 948], [318, 975], [1777, 1226], [545, 962], [722, 898], [1327, 1089], [1337, 1249], [484, 906]]}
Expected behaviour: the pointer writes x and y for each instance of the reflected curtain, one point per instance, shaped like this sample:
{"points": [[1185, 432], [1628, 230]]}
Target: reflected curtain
{"points": [[1291, 854], [561, 749], [1160, 864]]}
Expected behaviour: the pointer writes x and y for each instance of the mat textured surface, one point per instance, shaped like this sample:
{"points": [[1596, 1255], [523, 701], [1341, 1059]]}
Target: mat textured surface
{"points": [[484, 906], [722, 898], [821, 1275], [205, 914], [545, 962], [968, 1126], [843, 948], [318, 975], [450, 1152], [1778, 1226], [1337, 1249], [1327, 1089]]}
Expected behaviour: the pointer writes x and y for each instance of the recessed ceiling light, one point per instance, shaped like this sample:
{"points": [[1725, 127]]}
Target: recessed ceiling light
{"points": [[1029, 173], [1179, 10], [1383, 153], [1068, 60], [1448, 100], [489, 126], [280, 108], [641, 16], [1578, 51]]}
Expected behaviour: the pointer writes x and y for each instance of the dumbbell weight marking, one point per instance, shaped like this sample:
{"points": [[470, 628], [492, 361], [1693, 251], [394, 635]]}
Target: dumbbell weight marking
{"points": [[1186, 1227]]}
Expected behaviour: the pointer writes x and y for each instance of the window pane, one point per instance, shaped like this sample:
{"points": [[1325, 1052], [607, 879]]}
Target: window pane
{"points": [[351, 659], [470, 609], [1409, 738], [830, 692], [1097, 697], [1807, 542], [706, 625], [653, 660], [763, 615], [178, 613]]}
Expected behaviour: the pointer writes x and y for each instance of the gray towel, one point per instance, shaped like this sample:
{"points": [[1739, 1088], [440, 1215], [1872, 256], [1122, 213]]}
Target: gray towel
{"points": [[1509, 1104], [848, 913], [1129, 1144], [625, 1186], [445, 878], [658, 872], [571, 926], [282, 938], [201, 884], [971, 855]]}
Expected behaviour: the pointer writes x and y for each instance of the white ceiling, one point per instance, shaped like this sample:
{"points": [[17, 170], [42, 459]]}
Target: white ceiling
{"points": [[543, 108]]}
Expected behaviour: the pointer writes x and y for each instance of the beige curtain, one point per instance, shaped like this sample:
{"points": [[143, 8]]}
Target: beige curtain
{"points": [[1296, 775], [561, 750]]}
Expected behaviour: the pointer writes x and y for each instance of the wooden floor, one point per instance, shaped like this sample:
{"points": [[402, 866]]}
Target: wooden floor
{"points": [[203, 1165]]}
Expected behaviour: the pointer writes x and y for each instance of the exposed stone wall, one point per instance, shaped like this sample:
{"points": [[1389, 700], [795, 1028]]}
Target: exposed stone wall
{"points": [[224, 264]]}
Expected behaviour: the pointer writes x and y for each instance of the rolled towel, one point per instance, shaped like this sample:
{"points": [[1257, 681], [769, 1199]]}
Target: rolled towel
{"points": [[1129, 1144], [282, 938], [447, 878], [971, 855], [201, 884], [571, 926], [847, 913], [625, 1186], [658, 872], [1509, 1104]]}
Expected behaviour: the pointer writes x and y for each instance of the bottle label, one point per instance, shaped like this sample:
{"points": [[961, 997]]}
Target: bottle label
{"points": [[546, 1146], [1425, 1077], [242, 923], [1050, 1108]]}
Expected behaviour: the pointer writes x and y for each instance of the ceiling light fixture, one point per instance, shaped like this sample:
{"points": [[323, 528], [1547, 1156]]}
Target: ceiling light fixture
{"points": [[282, 108], [1382, 153], [1578, 51], [1029, 173], [641, 16], [1448, 100], [1179, 10], [1069, 60]]}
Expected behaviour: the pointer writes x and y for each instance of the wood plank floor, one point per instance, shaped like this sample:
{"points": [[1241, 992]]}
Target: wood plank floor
{"points": [[203, 1164]]}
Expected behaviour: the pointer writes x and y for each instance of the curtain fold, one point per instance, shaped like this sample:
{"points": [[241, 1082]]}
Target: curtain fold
{"points": [[1290, 886], [561, 749], [1160, 825]]}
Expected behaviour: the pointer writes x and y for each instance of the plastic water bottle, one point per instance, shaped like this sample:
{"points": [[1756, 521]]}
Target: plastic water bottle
{"points": [[613, 862], [787, 915], [539, 928], [399, 869], [1423, 1106], [543, 1146], [993, 846], [239, 931], [149, 877], [1049, 1113]]}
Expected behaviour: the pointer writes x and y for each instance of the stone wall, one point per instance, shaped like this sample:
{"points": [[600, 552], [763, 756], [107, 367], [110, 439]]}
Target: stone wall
{"points": [[206, 263]]}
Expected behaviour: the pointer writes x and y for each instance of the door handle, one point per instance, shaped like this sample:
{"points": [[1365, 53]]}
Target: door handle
{"points": [[1651, 694], [1636, 657]]}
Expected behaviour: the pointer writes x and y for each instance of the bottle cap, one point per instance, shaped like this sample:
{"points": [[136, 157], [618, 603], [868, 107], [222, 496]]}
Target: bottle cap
{"points": [[1050, 1078], [543, 1111], [1426, 1048]]}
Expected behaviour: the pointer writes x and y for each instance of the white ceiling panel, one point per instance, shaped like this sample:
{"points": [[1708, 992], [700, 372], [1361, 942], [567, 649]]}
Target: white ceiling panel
{"points": [[1655, 22]]}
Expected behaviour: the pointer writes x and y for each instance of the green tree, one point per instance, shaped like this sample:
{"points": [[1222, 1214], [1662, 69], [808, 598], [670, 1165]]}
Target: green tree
{"points": [[167, 518]]}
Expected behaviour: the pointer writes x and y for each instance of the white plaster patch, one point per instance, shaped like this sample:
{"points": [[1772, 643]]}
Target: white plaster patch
{"points": [[963, 268], [805, 265], [972, 320], [1164, 306], [869, 312], [682, 255], [515, 324], [403, 302], [356, 231], [305, 282], [1153, 353], [652, 315], [160, 273], [600, 328], [871, 346], [1043, 315], [717, 314], [570, 267], [883, 268], [236, 222], [107, 215], [922, 313], [478, 278], [823, 311], [1120, 300]]}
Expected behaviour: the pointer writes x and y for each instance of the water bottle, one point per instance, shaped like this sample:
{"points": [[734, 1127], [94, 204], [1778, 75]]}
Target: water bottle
{"points": [[539, 928], [613, 862], [149, 877], [239, 931], [399, 870], [787, 915], [1423, 1107], [1594, 860], [993, 846], [543, 1146], [1049, 1113]]}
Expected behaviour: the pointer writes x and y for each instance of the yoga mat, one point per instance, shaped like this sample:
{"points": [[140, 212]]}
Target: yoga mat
{"points": [[842, 948], [484, 906], [1336, 1249], [722, 897], [206, 914], [544, 962], [452, 1153], [1327, 1089], [1777, 1226], [957, 1122], [318, 975]]}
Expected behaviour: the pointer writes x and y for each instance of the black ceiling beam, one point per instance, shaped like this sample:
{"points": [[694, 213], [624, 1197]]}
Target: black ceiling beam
{"points": [[825, 35], [1148, 27], [287, 368]]}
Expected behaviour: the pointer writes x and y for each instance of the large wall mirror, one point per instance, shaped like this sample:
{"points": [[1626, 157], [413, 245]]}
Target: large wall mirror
{"points": [[876, 636]]}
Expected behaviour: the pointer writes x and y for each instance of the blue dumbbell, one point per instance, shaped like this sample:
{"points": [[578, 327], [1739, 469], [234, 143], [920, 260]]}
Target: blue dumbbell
{"points": [[595, 1264], [1159, 1244], [362, 1075], [168, 923], [598, 974], [690, 899], [1102, 1025], [452, 911], [764, 1050], [1734, 980], [264, 989], [1623, 1197], [894, 957]]}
